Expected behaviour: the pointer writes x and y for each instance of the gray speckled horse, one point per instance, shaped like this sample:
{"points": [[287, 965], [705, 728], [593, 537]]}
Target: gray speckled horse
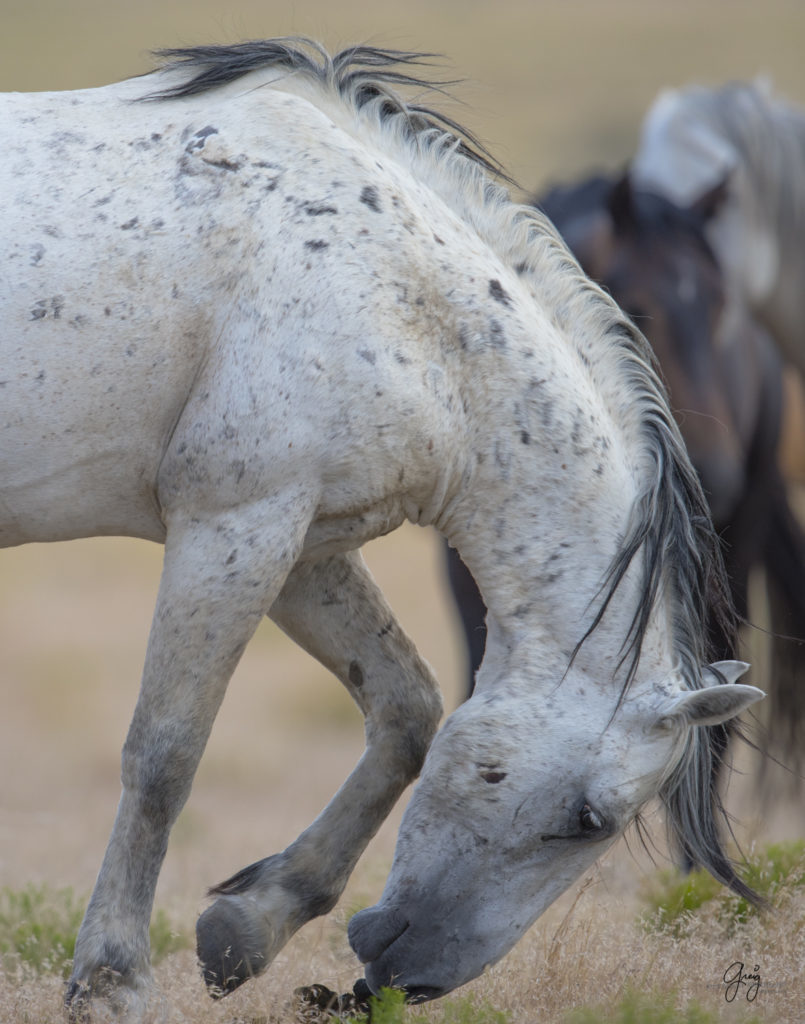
{"points": [[260, 309], [751, 143]]}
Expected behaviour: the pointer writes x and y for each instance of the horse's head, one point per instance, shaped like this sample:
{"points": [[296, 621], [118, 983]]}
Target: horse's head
{"points": [[655, 260], [697, 143], [518, 797]]}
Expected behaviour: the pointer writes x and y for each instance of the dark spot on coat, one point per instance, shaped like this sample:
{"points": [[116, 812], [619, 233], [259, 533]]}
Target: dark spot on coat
{"points": [[45, 307], [355, 674], [371, 198], [525, 437], [497, 337], [318, 209], [493, 777], [37, 252], [130, 224], [498, 292], [316, 244], [223, 164], [368, 355], [199, 139]]}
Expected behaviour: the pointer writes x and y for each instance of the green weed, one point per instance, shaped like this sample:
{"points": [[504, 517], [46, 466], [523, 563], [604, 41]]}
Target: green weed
{"points": [[38, 928], [674, 899], [645, 1008], [390, 1008], [165, 939]]}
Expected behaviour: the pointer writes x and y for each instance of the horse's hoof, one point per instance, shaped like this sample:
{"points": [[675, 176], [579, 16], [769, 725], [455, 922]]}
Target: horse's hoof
{"points": [[318, 1000], [231, 944], [76, 1002]]}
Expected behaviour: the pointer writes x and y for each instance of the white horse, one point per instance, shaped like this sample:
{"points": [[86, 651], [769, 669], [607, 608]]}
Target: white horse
{"points": [[259, 309], [739, 152]]}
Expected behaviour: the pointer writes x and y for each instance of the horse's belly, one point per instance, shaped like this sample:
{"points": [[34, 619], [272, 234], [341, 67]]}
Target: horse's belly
{"points": [[59, 483], [83, 428]]}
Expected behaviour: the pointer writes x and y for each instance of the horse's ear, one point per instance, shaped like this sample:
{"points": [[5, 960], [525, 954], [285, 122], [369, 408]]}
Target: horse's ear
{"points": [[721, 699], [724, 672], [621, 202], [707, 206]]}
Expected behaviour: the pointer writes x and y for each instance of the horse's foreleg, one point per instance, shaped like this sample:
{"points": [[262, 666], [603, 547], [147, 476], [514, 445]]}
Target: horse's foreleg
{"points": [[220, 576], [334, 610]]}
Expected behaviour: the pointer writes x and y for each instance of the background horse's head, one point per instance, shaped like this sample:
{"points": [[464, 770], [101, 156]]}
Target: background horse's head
{"points": [[654, 258], [748, 144]]}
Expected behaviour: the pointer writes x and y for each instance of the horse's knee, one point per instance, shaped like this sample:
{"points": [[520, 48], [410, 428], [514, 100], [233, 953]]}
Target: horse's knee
{"points": [[158, 772], [408, 731]]}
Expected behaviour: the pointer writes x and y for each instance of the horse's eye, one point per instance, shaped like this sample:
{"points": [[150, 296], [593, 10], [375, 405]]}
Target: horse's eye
{"points": [[590, 820]]}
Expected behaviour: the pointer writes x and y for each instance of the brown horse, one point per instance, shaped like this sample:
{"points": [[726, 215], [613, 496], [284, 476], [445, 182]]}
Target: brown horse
{"points": [[724, 376]]}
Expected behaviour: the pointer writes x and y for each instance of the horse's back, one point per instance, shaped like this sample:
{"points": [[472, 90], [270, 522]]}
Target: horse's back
{"points": [[160, 252]]}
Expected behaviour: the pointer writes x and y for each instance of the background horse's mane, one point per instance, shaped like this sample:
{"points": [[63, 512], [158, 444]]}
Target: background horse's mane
{"points": [[670, 528], [769, 137]]}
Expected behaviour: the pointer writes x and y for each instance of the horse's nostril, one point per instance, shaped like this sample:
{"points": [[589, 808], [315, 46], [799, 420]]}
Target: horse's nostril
{"points": [[372, 931]]}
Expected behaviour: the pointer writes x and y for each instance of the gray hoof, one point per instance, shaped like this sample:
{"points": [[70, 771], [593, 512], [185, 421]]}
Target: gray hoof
{"points": [[231, 944]]}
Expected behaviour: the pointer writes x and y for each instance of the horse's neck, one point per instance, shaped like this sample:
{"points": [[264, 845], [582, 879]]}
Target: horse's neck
{"points": [[542, 517], [783, 313], [770, 189]]}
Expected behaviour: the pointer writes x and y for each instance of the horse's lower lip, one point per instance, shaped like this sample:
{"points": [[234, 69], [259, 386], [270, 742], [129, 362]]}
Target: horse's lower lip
{"points": [[422, 993]]}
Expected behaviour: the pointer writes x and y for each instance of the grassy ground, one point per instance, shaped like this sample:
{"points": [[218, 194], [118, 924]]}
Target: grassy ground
{"points": [[554, 88]]}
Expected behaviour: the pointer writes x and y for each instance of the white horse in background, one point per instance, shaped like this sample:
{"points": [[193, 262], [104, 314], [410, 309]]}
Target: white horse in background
{"points": [[739, 153], [260, 309]]}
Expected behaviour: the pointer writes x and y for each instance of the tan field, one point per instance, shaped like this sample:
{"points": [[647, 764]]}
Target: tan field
{"points": [[555, 89]]}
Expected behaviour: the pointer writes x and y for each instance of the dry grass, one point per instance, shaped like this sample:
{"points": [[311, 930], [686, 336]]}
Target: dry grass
{"points": [[588, 950], [555, 88]]}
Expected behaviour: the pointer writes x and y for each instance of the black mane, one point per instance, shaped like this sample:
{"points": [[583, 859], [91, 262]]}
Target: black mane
{"points": [[359, 74]]}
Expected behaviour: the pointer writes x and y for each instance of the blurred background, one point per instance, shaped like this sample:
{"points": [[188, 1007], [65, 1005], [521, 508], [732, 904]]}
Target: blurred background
{"points": [[555, 90]]}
